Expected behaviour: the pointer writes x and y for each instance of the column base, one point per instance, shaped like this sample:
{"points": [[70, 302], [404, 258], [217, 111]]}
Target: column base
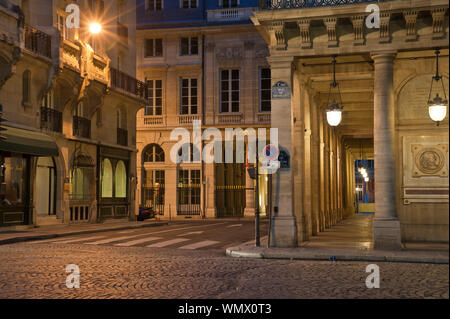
{"points": [[249, 212], [386, 234], [210, 213], [283, 232]]}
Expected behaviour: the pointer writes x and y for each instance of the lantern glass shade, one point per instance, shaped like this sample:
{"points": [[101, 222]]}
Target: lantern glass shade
{"points": [[366, 179], [437, 112], [334, 117]]}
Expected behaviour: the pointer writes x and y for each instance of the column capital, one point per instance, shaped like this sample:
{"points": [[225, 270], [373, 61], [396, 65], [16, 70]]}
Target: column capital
{"points": [[383, 55]]}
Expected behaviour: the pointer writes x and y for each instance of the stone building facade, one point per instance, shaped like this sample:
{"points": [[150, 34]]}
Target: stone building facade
{"points": [[385, 74], [204, 61], [70, 99]]}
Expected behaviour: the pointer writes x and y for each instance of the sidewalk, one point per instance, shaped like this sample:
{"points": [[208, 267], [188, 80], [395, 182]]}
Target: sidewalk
{"points": [[350, 240], [23, 234]]}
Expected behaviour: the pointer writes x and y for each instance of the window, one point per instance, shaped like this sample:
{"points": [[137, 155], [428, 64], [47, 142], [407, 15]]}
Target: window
{"points": [[107, 179], [26, 87], [63, 30], [189, 46], [48, 100], [229, 91], [79, 182], [154, 106], [230, 3], [153, 153], [153, 48], [121, 180], [189, 187], [154, 5], [153, 190], [189, 4], [13, 177], [188, 153], [189, 98], [265, 90]]}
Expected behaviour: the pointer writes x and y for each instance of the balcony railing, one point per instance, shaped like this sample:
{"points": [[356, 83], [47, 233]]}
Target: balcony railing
{"points": [[298, 4], [122, 137], [129, 84], [187, 119], [230, 118], [51, 119], [230, 14], [37, 41], [81, 127]]}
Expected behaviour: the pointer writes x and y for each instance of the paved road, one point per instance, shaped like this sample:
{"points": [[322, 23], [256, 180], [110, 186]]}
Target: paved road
{"points": [[117, 265]]}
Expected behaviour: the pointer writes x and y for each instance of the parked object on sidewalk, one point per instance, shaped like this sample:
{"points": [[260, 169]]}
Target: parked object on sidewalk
{"points": [[145, 213]]}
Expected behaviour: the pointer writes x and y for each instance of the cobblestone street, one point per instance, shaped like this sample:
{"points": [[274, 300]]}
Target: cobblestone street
{"points": [[37, 270]]}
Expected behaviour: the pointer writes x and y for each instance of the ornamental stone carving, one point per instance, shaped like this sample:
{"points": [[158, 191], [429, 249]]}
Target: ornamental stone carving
{"points": [[429, 160]]}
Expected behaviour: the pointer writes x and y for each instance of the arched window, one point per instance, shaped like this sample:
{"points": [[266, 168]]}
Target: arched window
{"points": [[107, 179], [153, 153], [121, 180], [26, 87], [188, 153]]}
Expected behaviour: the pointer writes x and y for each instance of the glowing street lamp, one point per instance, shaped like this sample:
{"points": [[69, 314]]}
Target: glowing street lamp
{"points": [[95, 28], [366, 179], [437, 108], [334, 111]]}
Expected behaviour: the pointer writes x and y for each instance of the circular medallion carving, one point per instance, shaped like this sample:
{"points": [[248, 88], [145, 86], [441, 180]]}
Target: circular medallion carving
{"points": [[430, 160]]}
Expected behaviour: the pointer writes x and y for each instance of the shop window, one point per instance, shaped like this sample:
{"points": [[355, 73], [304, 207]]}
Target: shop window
{"points": [[107, 179], [121, 180], [12, 180]]}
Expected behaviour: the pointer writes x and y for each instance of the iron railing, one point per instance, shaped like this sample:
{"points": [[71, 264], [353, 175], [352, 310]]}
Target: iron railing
{"points": [[51, 119], [122, 137], [37, 41], [299, 4], [153, 198], [81, 127], [188, 200], [129, 84]]}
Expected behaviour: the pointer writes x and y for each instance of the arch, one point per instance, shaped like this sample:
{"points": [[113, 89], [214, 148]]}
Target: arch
{"points": [[153, 153], [121, 180], [107, 179]]}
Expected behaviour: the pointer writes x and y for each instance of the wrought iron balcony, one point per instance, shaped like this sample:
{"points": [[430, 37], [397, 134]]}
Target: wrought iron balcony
{"points": [[37, 41], [299, 4], [81, 127], [129, 84], [51, 119]]}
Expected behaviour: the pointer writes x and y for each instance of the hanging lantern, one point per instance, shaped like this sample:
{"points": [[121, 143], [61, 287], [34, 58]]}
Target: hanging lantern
{"points": [[366, 179], [334, 111], [437, 108]]}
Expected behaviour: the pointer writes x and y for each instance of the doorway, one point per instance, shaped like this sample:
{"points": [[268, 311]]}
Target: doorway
{"points": [[45, 187]]}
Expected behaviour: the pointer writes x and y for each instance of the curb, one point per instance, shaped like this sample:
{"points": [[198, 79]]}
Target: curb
{"points": [[311, 255], [81, 232]]}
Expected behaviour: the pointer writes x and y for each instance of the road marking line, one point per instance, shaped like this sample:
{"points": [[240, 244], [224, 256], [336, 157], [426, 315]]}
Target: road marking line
{"points": [[168, 242], [235, 225], [59, 240], [183, 228], [200, 244], [192, 233], [77, 239], [137, 241], [110, 240], [127, 231]]}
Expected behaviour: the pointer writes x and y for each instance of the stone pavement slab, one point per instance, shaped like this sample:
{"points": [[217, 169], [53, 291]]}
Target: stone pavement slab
{"points": [[54, 231]]}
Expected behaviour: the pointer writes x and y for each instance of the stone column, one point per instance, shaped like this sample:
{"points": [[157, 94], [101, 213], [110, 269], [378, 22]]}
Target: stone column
{"points": [[386, 226], [283, 232]]}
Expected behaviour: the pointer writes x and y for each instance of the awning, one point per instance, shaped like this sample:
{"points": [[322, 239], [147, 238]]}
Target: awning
{"points": [[27, 142]]}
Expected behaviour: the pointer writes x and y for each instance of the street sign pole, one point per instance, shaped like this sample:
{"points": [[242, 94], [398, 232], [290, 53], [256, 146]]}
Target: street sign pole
{"points": [[257, 238]]}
